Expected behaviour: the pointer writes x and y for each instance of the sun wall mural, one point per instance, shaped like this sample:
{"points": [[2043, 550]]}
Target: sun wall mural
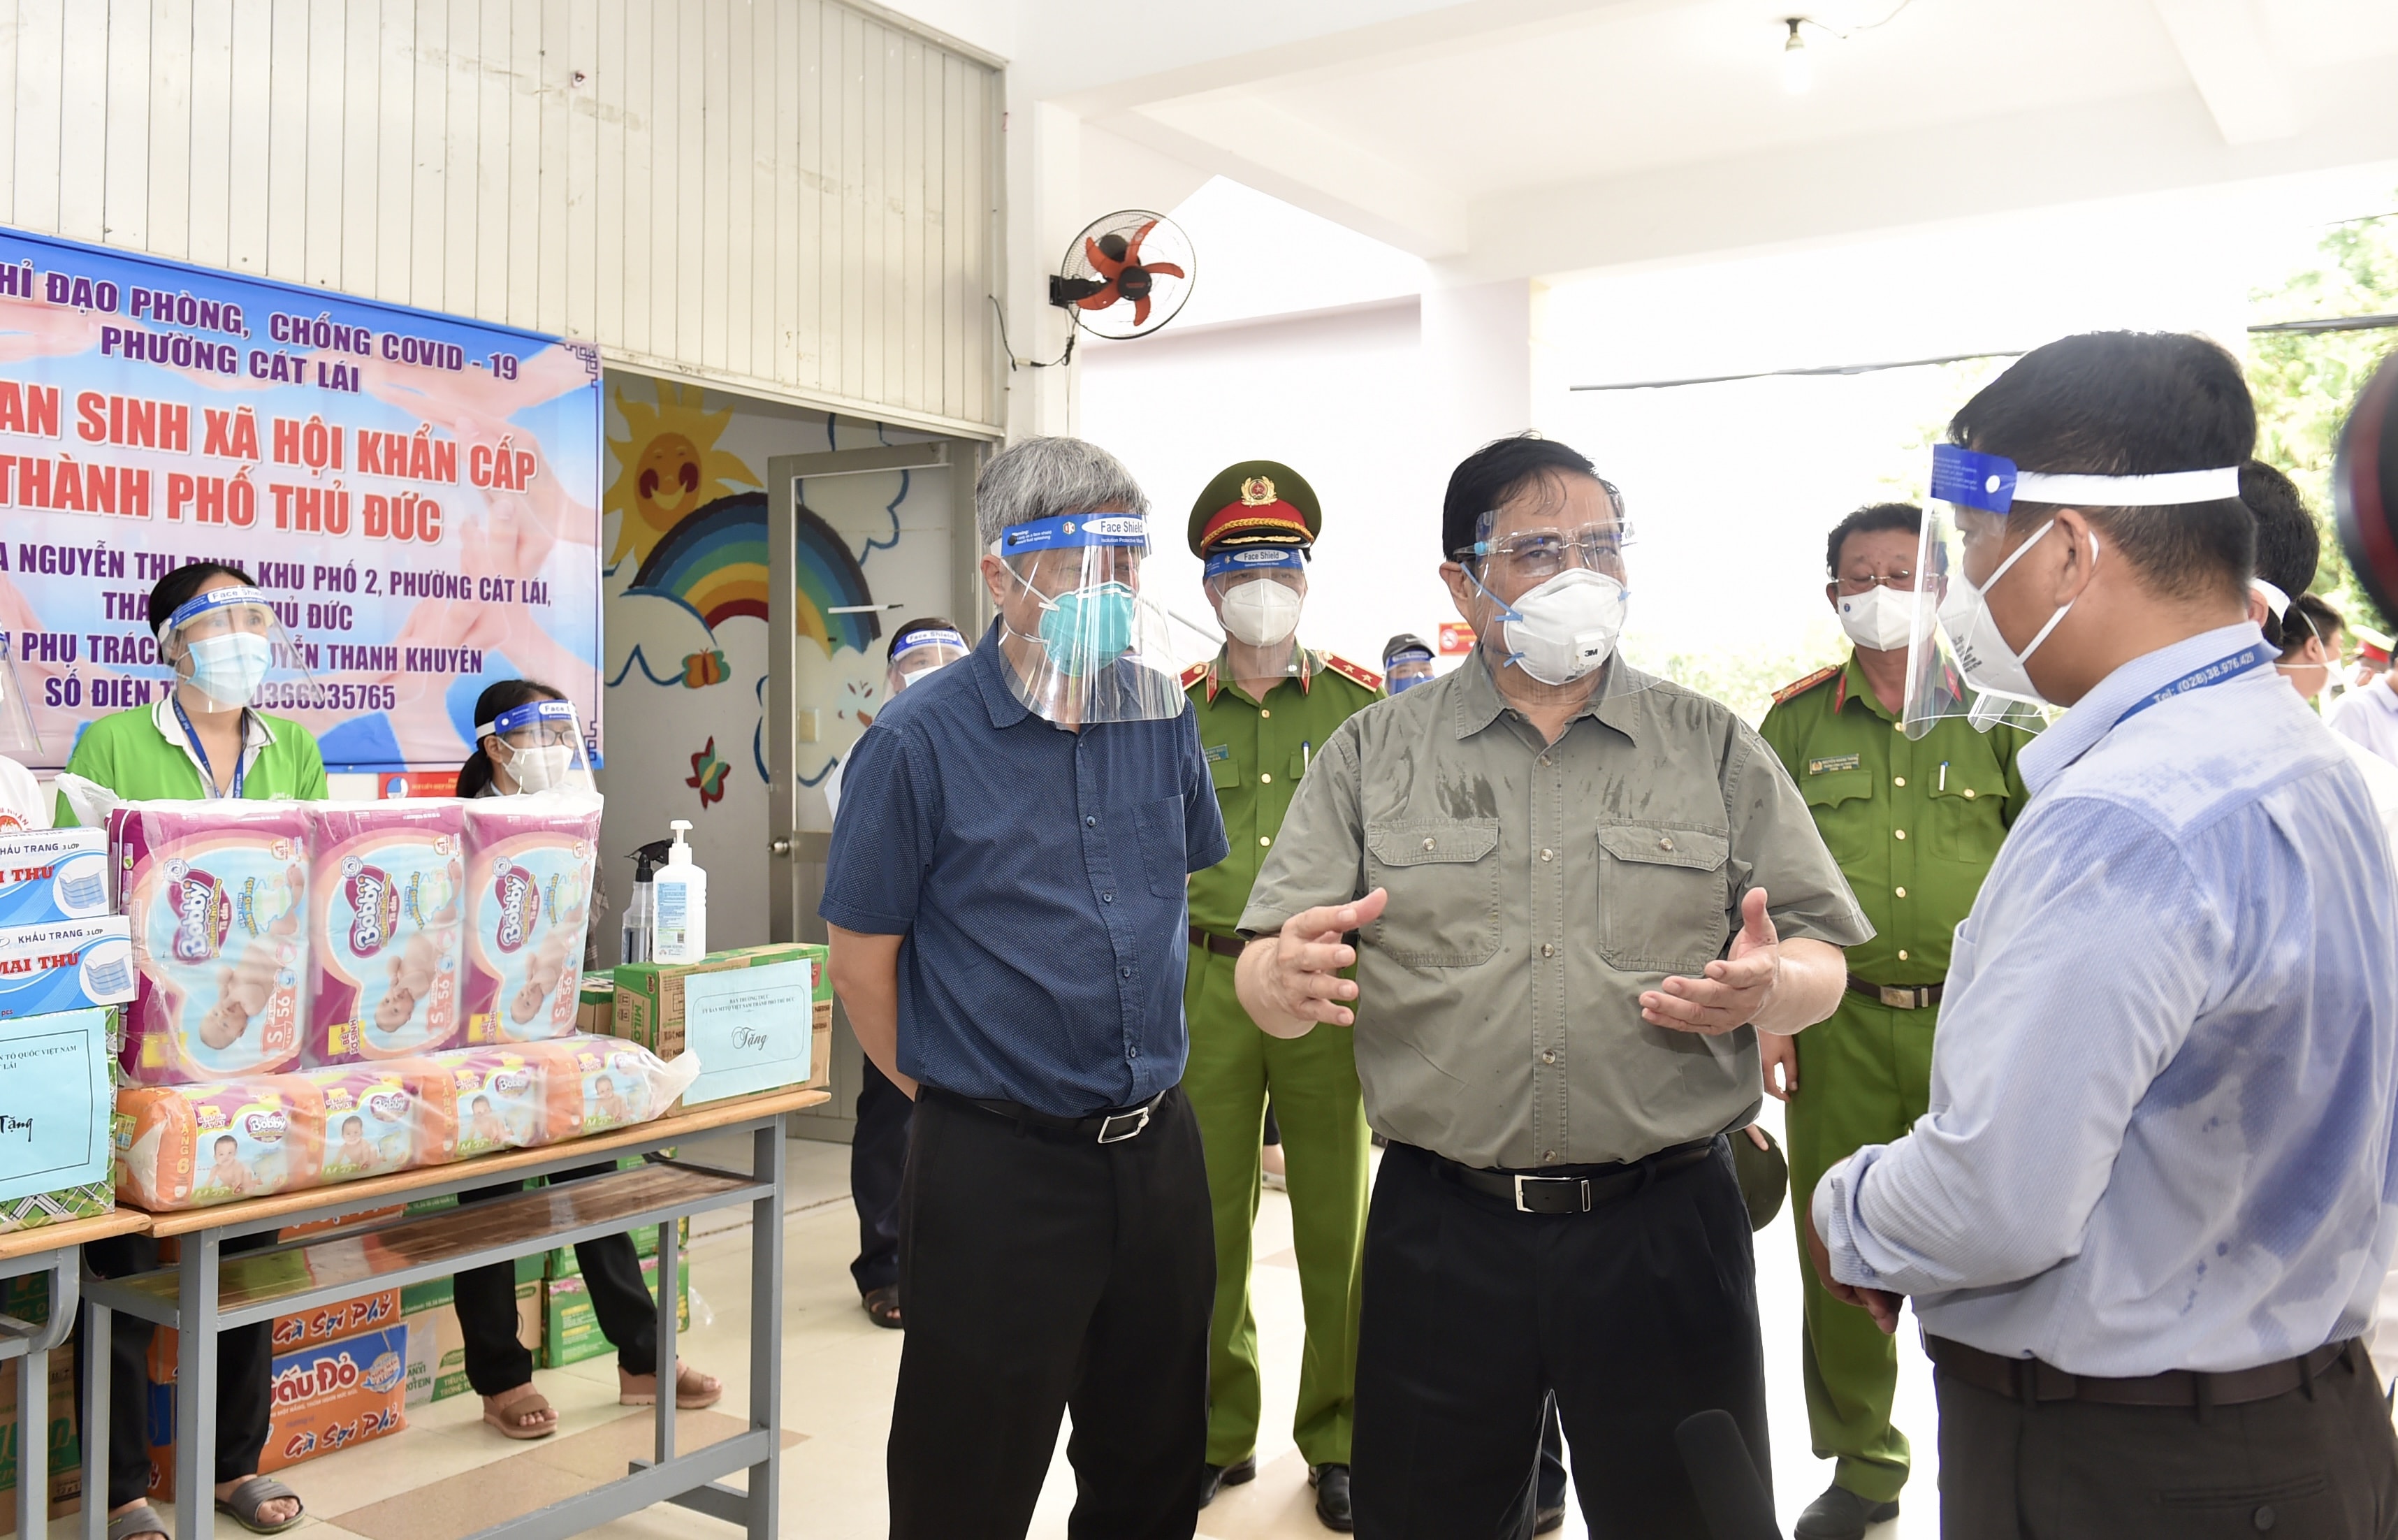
{"points": [[667, 464]]}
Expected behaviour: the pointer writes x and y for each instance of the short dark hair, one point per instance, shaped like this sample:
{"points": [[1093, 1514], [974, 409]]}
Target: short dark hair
{"points": [[921, 623], [506, 694], [1866, 520], [2311, 618], [1497, 471], [2131, 403], [2288, 545], [176, 589]]}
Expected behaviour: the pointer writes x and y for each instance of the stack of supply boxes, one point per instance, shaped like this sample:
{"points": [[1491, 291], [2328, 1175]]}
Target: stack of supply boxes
{"points": [[758, 1019]]}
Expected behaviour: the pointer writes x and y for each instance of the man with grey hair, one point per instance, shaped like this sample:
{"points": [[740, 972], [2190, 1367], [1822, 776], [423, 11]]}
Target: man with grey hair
{"points": [[1005, 896]]}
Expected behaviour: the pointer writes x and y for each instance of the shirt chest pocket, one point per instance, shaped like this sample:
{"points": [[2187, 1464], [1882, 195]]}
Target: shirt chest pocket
{"points": [[1835, 787], [1965, 822], [1664, 898], [1444, 883], [1163, 853]]}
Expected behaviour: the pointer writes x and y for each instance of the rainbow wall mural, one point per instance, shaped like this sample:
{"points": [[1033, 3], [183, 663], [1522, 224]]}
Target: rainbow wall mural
{"points": [[713, 563]]}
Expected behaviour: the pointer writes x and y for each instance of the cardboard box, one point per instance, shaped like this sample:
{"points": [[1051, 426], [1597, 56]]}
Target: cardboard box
{"points": [[67, 965], [56, 1113], [651, 1010], [290, 1333], [327, 1396], [437, 1345], [65, 1454], [433, 1294], [595, 1010], [561, 1262], [570, 1332], [50, 874]]}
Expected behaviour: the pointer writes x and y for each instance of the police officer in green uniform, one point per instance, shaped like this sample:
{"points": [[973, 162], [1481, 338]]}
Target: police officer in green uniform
{"points": [[1265, 704], [1915, 825]]}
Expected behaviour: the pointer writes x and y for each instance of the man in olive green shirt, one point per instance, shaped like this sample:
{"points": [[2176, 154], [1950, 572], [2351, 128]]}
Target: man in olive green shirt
{"points": [[1265, 705], [1915, 825], [1578, 893]]}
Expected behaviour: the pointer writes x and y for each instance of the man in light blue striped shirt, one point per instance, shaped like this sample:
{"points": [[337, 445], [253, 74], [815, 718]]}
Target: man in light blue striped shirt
{"points": [[2148, 1213]]}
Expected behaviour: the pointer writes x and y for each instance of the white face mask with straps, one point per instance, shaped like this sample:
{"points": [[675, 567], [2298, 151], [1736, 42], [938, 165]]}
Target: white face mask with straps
{"points": [[1988, 664], [1883, 618]]}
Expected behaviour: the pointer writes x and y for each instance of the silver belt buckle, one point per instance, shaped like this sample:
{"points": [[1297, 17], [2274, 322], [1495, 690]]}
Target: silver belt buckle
{"points": [[1134, 1121], [1899, 999], [1584, 1182]]}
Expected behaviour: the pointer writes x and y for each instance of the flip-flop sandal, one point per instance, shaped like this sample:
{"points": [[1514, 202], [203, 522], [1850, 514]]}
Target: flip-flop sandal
{"points": [[253, 1494], [882, 1308], [694, 1390], [507, 1410], [139, 1519]]}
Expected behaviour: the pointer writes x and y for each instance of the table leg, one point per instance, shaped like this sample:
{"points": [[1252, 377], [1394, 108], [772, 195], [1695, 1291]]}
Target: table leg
{"points": [[668, 1380], [99, 1328], [195, 1387], [33, 1441], [766, 1329]]}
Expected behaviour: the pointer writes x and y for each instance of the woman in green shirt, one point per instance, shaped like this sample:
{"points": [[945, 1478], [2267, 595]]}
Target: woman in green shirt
{"points": [[202, 740]]}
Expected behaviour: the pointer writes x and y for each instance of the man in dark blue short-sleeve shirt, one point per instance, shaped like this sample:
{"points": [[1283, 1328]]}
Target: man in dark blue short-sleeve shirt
{"points": [[1006, 895]]}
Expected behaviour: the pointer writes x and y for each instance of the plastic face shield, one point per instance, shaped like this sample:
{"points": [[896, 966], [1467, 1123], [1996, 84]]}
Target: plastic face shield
{"points": [[1258, 591], [541, 747], [1082, 645], [232, 648], [1406, 670], [1552, 562], [918, 653]]}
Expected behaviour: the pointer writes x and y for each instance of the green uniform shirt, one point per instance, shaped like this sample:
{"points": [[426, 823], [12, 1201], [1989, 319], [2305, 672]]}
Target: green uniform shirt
{"points": [[1914, 823], [1257, 751], [140, 755]]}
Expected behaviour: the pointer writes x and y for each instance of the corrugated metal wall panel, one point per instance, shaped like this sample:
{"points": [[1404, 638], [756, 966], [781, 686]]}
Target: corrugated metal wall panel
{"points": [[790, 194]]}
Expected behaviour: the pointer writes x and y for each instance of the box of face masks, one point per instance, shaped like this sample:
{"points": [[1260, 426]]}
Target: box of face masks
{"points": [[66, 965], [50, 874]]}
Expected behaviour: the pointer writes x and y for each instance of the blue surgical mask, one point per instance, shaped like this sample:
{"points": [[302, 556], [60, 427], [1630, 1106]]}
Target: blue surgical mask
{"points": [[228, 669], [1089, 627]]}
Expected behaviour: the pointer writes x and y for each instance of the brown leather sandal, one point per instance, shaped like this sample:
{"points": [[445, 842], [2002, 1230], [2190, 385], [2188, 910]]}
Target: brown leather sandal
{"points": [[694, 1390], [509, 1409]]}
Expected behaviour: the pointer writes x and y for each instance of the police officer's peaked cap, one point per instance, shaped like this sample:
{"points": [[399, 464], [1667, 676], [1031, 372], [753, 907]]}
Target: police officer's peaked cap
{"points": [[1254, 503]]}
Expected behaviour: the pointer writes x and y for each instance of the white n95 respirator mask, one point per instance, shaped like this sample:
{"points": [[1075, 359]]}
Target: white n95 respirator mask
{"points": [[1882, 618]]}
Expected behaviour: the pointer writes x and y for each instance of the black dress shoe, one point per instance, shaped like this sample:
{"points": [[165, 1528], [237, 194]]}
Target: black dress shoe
{"points": [[1215, 1479], [1332, 1484], [1840, 1514]]}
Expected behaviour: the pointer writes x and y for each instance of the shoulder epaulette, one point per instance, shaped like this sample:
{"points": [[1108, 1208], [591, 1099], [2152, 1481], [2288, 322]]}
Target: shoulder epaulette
{"points": [[1799, 687], [1356, 673], [1194, 674]]}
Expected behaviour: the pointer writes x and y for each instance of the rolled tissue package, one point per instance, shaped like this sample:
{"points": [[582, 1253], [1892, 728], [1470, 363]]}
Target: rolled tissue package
{"points": [[528, 899], [385, 1117], [386, 878], [195, 1146], [215, 893]]}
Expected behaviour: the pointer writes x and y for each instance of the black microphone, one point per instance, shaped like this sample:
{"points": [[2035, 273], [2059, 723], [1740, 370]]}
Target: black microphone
{"points": [[1731, 1497]]}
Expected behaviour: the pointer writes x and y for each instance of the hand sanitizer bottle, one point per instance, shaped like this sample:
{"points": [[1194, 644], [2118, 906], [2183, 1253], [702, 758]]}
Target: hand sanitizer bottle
{"points": [[679, 893]]}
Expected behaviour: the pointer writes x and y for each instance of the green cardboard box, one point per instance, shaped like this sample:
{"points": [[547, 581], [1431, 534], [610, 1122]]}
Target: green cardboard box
{"points": [[570, 1332], [433, 1294], [562, 1263], [650, 1005]]}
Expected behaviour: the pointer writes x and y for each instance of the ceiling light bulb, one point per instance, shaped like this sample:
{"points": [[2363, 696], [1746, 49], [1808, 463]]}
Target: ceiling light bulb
{"points": [[1797, 70]]}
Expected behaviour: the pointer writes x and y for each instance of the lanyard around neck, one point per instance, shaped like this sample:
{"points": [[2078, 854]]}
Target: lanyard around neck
{"points": [[200, 753], [2229, 666]]}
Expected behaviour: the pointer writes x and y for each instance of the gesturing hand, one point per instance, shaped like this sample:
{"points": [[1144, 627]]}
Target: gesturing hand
{"points": [[1735, 989], [1297, 981]]}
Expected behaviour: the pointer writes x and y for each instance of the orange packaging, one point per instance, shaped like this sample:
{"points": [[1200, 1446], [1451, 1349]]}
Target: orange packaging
{"points": [[382, 1117], [195, 1146], [515, 1096], [327, 1396], [308, 1329]]}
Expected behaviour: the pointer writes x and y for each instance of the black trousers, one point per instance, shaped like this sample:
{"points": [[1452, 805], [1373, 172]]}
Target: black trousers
{"points": [[245, 1360], [1041, 1274], [2295, 1466], [877, 1153], [1634, 1316], [496, 1361]]}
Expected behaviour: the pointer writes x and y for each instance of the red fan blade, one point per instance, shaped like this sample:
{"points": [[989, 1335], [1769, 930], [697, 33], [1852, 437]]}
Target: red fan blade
{"points": [[1101, 300], [1099, 262], [1166, 267], [1140, 311], [1132, 249]]}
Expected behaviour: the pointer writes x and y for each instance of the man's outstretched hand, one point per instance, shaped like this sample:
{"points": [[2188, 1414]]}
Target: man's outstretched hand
{"points": [[1735, 989], [1291, 980], [1880, 1303]]}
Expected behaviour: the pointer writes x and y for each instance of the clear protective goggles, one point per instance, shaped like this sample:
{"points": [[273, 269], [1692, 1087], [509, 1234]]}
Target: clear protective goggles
{"points": [[920, 653], [1081, 643], [1552, 562], [540, 746], [19, 738], [232, 647]]}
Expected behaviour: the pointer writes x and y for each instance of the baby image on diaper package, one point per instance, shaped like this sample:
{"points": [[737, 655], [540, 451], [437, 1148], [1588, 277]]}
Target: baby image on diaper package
{"points": [[193, 1146], [392, 1116], [215, 893], [386, 879], [514, 1097], [529, 864]]}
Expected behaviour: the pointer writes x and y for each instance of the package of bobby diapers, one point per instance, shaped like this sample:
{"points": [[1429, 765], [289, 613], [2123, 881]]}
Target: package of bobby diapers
{"points": [[387, 1116], [513, 1096], [49, 875], [193, 1146], [217, 896], [384, 899], [529, 863], [66, 965], [620, 1084]]}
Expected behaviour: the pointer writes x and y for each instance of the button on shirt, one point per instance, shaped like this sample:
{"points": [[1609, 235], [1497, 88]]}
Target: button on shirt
{"points": [[2159, 1125], [1038, 875], [1536, 890]]}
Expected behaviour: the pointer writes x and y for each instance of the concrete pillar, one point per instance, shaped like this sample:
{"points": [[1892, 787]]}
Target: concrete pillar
{"points": [[1045, 175], [1478, 360]]}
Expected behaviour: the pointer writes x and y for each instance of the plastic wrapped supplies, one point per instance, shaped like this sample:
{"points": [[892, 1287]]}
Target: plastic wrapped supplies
{"points": [[528, 907], [195, 1146]]}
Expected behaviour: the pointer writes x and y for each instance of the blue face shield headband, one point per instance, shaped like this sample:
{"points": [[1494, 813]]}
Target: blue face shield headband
{"points": [[1969, 479], [215, 599], [556, 715], [1256, 558], [915, 640], [1066, 531], [1091, 625]]}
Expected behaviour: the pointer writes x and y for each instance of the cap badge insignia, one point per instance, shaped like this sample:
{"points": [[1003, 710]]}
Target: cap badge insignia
{"points": [[1256, 492]]}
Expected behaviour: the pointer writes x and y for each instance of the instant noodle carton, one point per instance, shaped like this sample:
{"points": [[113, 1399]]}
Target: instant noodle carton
{"points": [[49, 875], [529, 863], [327, 1397], [215, 893], [387, 884]]}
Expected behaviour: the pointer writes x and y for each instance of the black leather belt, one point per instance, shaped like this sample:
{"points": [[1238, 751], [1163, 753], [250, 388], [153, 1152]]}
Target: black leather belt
{"points": [[1108, 1127], [2028, 1380], [1576, 1189], [1223, 946], [1897, 996]]}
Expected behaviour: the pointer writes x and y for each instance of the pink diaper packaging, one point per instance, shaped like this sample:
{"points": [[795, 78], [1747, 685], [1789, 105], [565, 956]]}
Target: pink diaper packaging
{"points": [[529, 863], [385, 880], [216, 894]]}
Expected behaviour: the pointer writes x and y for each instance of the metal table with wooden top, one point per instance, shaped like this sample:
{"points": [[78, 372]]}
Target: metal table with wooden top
{"points": [[56, 1251], [205, 1288]]}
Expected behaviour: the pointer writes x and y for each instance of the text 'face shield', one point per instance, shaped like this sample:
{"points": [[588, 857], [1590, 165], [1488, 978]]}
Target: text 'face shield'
{"points": [[540, 745], [921, 653], [1257, 593], [232, 647], [1082, 644]]}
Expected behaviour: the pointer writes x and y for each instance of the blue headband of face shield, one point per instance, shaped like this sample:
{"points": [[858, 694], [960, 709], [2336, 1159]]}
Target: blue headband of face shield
{"points": [[1407, 654], [1991, 482], [1069, 530], [914, 640], [1256, 558], [517, 718], [215, 599]]}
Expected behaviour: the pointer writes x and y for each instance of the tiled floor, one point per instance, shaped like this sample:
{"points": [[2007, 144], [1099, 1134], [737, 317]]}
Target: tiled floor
{"points": [[838, 1373]]}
